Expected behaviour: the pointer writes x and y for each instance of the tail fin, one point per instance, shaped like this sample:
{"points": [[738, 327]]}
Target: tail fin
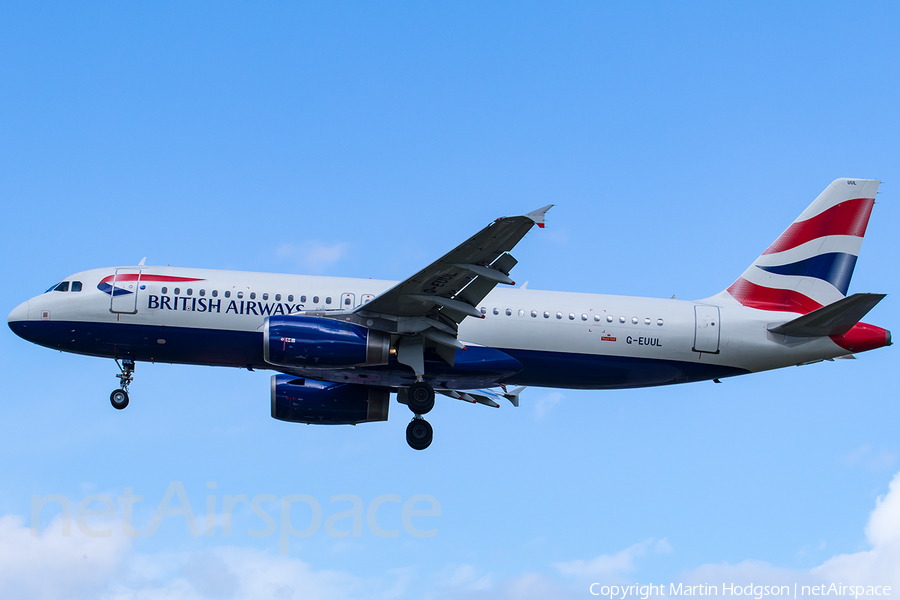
{"points": [[810, 264]]}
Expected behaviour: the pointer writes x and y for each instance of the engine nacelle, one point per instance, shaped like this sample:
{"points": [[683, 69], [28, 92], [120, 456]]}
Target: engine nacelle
{"points": [[298, 341], [299, 400]]}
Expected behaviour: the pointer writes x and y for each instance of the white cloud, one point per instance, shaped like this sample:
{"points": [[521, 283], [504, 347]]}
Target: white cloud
{"points": [[543, 406], [54, 565], [881, 564], [756, 572], [313, 255], [454, 579], [878, 566], [867, 457], [883, 528], [612, 565], [536, 586]]}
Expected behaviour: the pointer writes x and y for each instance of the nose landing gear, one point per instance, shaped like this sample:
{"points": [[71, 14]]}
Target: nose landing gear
{"points": [[420, 399], [119, 397]]}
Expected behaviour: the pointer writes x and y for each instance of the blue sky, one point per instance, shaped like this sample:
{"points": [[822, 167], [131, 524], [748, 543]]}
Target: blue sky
{"points": [[362, 139]]}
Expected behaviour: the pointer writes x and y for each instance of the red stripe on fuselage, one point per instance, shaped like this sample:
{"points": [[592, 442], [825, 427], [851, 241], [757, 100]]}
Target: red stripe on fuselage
{"points": [[147, 277], [764, 298], [847, 218]]}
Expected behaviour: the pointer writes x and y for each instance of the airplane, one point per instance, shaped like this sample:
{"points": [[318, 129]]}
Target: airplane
{"points": [[460, 327]]}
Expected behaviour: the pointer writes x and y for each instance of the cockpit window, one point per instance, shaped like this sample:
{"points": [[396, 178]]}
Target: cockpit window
{"points": [[76, 286], [62, 287], [51, 288]]}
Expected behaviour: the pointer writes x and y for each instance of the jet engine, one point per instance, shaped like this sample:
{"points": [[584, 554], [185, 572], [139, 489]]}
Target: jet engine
{"points": [[299, 341], [321, 402]]}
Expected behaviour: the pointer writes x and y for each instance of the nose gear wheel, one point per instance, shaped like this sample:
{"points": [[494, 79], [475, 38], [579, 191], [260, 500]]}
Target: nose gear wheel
{"points": [[119, 398]]}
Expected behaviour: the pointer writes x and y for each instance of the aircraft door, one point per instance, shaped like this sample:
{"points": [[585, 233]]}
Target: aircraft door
{"points": [[347, 301], [706, 333], [124, 293]]}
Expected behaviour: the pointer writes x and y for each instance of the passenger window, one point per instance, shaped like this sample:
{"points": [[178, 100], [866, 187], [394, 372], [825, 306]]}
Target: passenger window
{"points": [[190, 291], [508, 312], [165, 290], [177, 291], [76, 286], [559, 315], [202, 292], [659, 322], [533, 313], [484, 310], [634, 320], [647, 321], [62, 287], [302, 298], [291, 298], [496, 311], [315, 299], [265, 296], [328, 300], [583, 317], [521, 312], [571, 316], [253, 295], [277, 297], [609, 319], [347, 301], [240, 295], [228, 293], [215, 293], [546, 314], [621, 319]]}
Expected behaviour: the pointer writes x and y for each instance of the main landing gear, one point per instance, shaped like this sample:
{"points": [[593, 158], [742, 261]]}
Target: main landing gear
{"points": [[119, 397], [420, 399]]}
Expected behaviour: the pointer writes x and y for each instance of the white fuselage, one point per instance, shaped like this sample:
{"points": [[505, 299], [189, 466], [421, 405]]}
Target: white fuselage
{"points": [[617, 341]]}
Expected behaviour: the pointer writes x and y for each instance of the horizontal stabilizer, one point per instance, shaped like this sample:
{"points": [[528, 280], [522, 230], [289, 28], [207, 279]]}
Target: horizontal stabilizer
{"points": [[835, 319]]}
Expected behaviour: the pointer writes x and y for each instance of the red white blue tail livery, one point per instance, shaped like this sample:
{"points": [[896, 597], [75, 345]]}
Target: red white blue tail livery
{"points": [[809, 266]]}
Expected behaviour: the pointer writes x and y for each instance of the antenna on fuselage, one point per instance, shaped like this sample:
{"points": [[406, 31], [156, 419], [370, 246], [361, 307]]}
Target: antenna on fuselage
{"points": [[143, 260]]}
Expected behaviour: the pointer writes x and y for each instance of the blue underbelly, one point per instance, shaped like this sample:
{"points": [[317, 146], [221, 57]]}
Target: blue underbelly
{"points": [[597, 371], [476, 367]]}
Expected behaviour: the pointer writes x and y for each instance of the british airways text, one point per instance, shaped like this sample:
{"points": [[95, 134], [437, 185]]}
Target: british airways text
{"points": [[215, 305]]}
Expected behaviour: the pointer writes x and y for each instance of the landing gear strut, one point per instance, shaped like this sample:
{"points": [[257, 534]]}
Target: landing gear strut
{"points": [[119, 397], [420, 399]]}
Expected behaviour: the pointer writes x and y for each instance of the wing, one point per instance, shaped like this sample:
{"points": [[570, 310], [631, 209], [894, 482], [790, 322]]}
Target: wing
{"points": [[427, 308], [460, 279]]}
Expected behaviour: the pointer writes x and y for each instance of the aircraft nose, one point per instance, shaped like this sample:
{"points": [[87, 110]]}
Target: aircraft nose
{"points": [[19, 313]]}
